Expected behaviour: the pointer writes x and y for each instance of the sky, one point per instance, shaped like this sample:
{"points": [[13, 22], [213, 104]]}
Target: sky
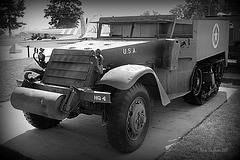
{"points": [[34, 14]]}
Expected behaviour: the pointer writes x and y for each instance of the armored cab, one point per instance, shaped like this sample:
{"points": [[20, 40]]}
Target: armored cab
{"points": [[133, 59]]}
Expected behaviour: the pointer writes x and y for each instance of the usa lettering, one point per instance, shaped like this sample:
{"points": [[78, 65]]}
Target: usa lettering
{"points": [[129, 50]]}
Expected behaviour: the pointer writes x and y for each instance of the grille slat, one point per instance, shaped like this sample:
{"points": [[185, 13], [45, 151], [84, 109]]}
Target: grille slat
{"points": [[67, 74], [72, 67], [67, 82], [71, 58]]}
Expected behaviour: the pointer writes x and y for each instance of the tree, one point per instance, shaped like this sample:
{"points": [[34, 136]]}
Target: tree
{"points": [[10, 11], [64, 13], [147, 13], [186, 11], [197, 8]]}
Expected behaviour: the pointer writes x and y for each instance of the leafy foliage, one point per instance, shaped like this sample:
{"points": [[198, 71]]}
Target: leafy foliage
{"points": [[147, 13], [196, 8], [64, 13], [10, 11]]}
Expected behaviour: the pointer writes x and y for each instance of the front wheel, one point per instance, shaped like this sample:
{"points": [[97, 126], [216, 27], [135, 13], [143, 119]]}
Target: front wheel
{"points": [[129, 116], [40, 121]]}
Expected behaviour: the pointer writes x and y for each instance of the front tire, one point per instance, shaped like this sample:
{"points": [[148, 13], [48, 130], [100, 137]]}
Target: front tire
{"points": [[129, 116], [40, 121]]}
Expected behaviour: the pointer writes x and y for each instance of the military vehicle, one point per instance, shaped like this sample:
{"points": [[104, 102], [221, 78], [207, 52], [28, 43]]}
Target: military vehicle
{"points": [[133, 61]]}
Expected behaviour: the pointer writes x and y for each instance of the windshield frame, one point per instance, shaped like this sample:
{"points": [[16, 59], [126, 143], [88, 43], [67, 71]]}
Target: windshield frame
{"points": [[131, 30]]}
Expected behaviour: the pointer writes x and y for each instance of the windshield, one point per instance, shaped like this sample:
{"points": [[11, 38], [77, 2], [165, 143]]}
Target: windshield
{"points": [[91, 31], [129, 30]]}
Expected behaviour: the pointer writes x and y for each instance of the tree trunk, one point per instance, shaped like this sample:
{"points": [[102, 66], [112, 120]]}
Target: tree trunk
{"points": [[9, 26]]}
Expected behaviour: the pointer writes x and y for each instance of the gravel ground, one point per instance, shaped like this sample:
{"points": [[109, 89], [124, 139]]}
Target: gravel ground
{"points": [[10, 71], [217, 137]]}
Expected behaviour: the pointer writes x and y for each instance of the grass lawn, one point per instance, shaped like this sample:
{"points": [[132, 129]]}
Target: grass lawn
{"points": [[218, 137]]}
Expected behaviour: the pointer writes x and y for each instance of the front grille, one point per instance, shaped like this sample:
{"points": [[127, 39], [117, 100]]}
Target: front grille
{"points": [[69, 67]]}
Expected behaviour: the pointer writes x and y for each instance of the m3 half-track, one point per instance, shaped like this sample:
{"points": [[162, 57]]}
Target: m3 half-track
{"points": [[133, 60]]}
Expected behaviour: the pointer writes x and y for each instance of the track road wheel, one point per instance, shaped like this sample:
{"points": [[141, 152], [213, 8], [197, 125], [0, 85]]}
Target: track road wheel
{"points": [[218, 72], [40, 121], [129, 116], [197, 82], [194, 97]]}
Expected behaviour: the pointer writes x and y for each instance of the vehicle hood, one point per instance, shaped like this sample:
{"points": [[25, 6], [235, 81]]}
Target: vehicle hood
{"points": [[100, 44]]}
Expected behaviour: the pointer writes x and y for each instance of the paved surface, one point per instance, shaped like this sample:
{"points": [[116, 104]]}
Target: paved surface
{"points": [[85, 138]]}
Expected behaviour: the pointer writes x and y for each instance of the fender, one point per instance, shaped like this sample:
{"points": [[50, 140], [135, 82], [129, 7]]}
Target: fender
{"points": [[124, 77]]}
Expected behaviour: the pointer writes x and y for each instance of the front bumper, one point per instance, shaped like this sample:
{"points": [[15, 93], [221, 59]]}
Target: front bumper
{"points": [[43, 100]]}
